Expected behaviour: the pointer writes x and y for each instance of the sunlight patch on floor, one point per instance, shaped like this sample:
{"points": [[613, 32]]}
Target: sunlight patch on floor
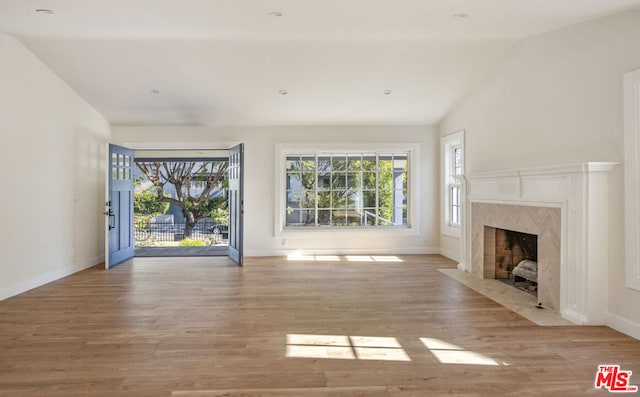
{"points": [[375, 258], [386, 258], [328, 258], [448, 353], [298, 256], [375, 341], [335, 352], [345, 347], [318, 340], [378, 348]]}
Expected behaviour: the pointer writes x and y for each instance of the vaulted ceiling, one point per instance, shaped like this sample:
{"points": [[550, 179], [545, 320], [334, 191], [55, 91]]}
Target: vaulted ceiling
{"points": [[281, 62]]}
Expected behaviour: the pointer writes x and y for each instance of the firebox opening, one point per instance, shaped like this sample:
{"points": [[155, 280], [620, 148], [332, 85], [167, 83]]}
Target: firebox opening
{"points": [[517, 259]]}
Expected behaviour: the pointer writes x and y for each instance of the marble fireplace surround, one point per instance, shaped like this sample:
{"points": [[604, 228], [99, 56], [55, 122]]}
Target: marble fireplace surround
{"points": [[541, 221], [567, 207]]}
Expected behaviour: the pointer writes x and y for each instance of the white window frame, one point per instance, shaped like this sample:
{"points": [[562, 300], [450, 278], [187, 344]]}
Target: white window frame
{"points": [[632, 178], [413, 187], [448, 143]]}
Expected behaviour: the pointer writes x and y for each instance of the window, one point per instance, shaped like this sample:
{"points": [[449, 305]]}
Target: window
{"points": [[120, 167], [346, 189], [455, 186], [453, 170]]}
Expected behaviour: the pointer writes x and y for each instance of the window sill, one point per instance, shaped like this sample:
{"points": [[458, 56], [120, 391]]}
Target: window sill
{"points": [[302, 232]]}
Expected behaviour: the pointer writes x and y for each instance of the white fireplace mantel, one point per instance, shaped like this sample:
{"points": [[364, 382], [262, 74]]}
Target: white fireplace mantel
{"points": [[581, 192]]}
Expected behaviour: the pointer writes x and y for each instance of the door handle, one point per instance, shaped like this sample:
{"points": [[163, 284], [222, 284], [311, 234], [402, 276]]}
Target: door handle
{"points": [[110, 214]]}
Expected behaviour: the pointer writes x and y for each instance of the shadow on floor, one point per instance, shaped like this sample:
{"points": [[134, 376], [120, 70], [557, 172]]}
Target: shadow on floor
{"points": [[217, 250]]}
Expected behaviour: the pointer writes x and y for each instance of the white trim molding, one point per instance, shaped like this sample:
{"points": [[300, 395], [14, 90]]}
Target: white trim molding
{"points": [[48, 277], [581, 192], [179, 145], [632, 178], [343, 251], [451, 254], [623, 325]]}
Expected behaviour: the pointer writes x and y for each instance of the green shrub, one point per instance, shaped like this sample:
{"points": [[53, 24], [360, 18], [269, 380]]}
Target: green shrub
{"points": [[220, 216], [141, 222], [189, 242], [146, 203]]}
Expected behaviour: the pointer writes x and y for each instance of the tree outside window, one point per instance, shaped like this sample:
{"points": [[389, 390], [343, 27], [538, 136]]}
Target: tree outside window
{"points": [[346, 189]]}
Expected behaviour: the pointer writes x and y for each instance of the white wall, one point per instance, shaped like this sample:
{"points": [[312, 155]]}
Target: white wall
{"points": [[557, 99], [450, 247], [260, 182], [52, 174]]}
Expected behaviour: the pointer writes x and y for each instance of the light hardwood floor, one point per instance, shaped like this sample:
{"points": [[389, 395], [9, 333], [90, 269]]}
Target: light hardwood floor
{"points": [[203, 327]]}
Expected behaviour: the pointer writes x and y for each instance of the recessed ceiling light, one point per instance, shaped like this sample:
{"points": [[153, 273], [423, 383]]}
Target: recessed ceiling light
{"points": [[45, 11], [460, 15], [275, 13], [283, 92], [387, 92], [155, 92]]}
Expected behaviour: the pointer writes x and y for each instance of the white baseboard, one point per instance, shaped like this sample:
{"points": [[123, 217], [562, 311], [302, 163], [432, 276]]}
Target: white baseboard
{"points": [[622, 325], [347, 251], [574, 317], [451, 254], [15, 289]]}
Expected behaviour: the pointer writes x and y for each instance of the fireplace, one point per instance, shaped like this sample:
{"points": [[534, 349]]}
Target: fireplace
{"points": [[504, 236], [567, 208], [515, 257]]}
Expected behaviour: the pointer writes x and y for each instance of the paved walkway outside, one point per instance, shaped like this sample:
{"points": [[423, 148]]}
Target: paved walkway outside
{"points": [[216, 250]]}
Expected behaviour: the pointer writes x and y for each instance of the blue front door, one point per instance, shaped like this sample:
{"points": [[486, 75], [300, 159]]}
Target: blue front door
{"points": [[236, 203], [119, 211]]}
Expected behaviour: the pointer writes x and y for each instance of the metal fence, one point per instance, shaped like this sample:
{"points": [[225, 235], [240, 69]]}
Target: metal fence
{"points": [[174, 231]]}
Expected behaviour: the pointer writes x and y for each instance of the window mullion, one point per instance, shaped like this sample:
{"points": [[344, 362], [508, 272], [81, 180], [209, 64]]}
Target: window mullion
{"points": [[377, 189], [332, 202], [315, 193], [361, 192]]}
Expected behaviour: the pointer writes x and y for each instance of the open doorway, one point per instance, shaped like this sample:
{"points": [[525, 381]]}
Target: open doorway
{"points": [[181, 204]]}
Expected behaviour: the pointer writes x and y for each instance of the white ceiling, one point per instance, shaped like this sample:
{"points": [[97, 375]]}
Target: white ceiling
{"points": [[223, 62]]}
